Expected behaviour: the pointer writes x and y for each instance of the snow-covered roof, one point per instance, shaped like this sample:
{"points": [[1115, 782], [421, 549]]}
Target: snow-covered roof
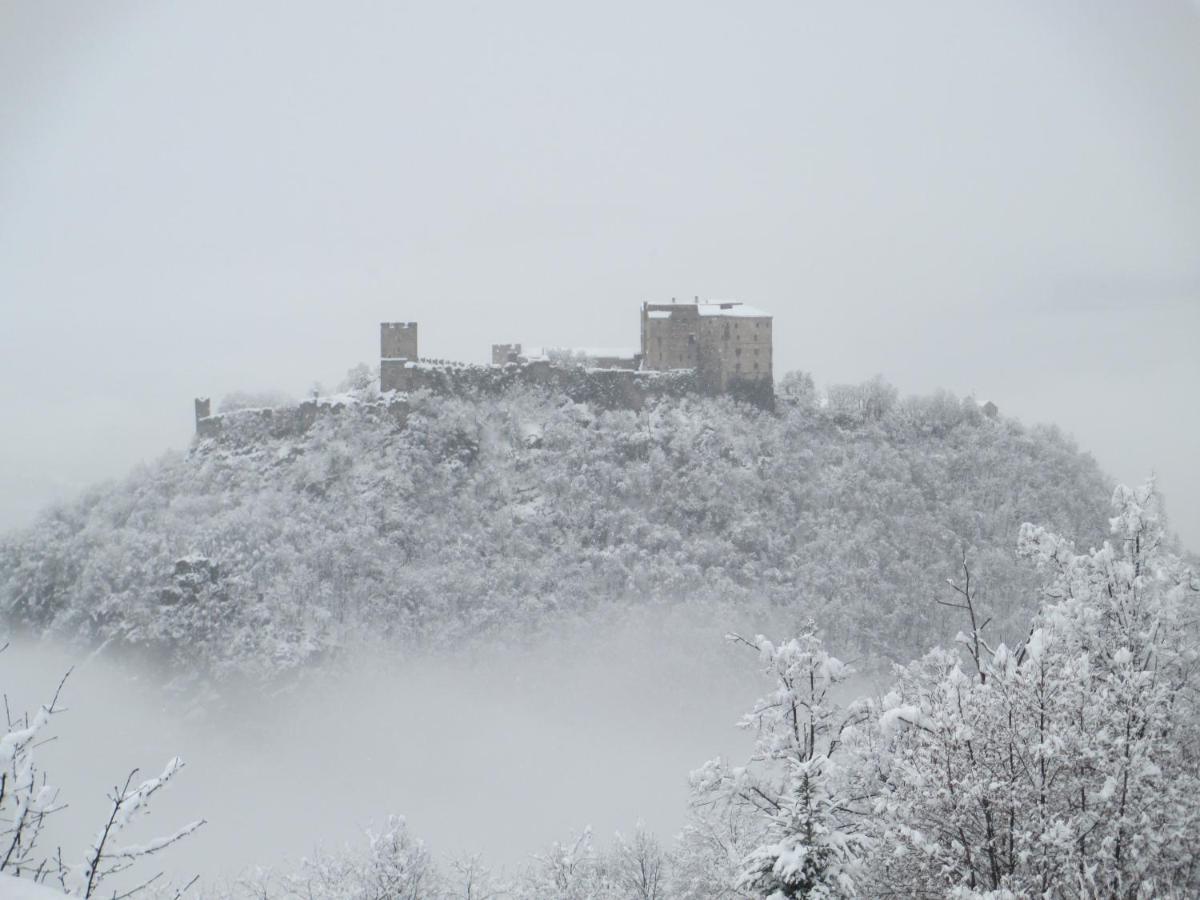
{"points": [[731, 308]]}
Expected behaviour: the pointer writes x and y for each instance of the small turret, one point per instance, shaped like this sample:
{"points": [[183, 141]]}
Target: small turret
{"points": [[203, 410]]}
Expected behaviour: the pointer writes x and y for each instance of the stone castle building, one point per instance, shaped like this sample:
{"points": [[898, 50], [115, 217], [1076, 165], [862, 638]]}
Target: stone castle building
{"points": [[685, 348], [727, 344], [724, 342], [506, 354]]}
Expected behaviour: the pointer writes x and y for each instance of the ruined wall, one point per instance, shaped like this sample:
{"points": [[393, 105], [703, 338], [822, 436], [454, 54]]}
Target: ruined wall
{"points": [[244, 427], [395, 375], [606, 388], [615, 362]]}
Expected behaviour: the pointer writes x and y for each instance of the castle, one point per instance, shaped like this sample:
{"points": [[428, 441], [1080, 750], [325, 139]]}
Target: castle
{"points": [[724, 343], [727, 344], [720, 347]]}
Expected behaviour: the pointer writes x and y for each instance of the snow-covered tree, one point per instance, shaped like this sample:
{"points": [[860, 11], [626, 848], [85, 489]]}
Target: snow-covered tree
{"points": [[572, 870], [1067, 765], [708, 856], [638, 865], [26, 799], [810, 842], [533, 507], [393, 865]]}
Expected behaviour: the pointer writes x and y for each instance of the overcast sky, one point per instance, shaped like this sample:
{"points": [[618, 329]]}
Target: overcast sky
{"points": [[999, 199]]}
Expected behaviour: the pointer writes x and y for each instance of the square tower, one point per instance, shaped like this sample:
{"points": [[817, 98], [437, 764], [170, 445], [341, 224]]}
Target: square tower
{"points": [[397, 350], [398, 340], [724, 342], [505, 354]]}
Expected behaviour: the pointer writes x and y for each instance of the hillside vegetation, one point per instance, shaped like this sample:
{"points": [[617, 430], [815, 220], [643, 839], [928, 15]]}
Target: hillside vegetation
{"points": [[502, 515]]}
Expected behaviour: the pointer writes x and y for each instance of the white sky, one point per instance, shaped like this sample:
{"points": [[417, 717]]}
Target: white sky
{"points": [[1001, 199]]}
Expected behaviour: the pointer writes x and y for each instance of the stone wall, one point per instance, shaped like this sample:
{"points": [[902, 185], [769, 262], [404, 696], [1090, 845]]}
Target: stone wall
{"points": [[395, 375], [606, 388], [247, 426]]}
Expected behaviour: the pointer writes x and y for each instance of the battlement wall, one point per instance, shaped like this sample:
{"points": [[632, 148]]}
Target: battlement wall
{"points": [[247, 426], [606, 388]]}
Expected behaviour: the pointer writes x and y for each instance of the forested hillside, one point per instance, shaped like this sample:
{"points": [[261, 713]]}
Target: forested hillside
{"points": [[504, 515]]}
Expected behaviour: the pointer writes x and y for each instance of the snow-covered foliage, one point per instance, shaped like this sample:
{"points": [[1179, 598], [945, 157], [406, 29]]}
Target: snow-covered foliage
{"points": [[504, 514], [26, 799], [392, 866], [810, 842], [1068, 764]]}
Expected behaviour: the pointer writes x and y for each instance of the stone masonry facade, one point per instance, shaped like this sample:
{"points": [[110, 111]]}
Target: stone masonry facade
{"points": [[725, 343], [397, 349]]}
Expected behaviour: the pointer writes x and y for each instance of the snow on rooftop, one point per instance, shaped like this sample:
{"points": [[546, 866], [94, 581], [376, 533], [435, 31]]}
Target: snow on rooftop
{"points": [[731, 308]]}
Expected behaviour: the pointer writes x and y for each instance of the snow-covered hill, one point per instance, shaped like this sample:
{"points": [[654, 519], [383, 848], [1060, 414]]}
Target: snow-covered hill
{"points": [[502, 516]]}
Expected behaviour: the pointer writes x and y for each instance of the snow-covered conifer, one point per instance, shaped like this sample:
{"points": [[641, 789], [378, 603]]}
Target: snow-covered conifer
{"points": [[810, 842]]}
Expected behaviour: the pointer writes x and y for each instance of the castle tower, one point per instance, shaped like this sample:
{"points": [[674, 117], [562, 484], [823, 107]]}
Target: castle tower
{"points": [[725, 342], [203, 410], [397, 349], [504, 354]]}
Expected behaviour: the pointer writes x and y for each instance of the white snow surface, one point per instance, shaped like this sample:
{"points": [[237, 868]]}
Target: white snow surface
{"points": [[24, 889], [731, 308]]}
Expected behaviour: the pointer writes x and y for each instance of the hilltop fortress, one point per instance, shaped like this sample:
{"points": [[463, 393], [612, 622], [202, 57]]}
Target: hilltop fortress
{"points": [[720, 347], [726, 344]]}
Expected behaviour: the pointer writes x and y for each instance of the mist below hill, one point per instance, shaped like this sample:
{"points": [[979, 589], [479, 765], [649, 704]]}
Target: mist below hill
{"points": [[496, 751]]}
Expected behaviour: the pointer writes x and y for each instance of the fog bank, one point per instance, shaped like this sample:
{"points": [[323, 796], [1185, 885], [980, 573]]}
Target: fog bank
{"points": [[499, 751]]}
